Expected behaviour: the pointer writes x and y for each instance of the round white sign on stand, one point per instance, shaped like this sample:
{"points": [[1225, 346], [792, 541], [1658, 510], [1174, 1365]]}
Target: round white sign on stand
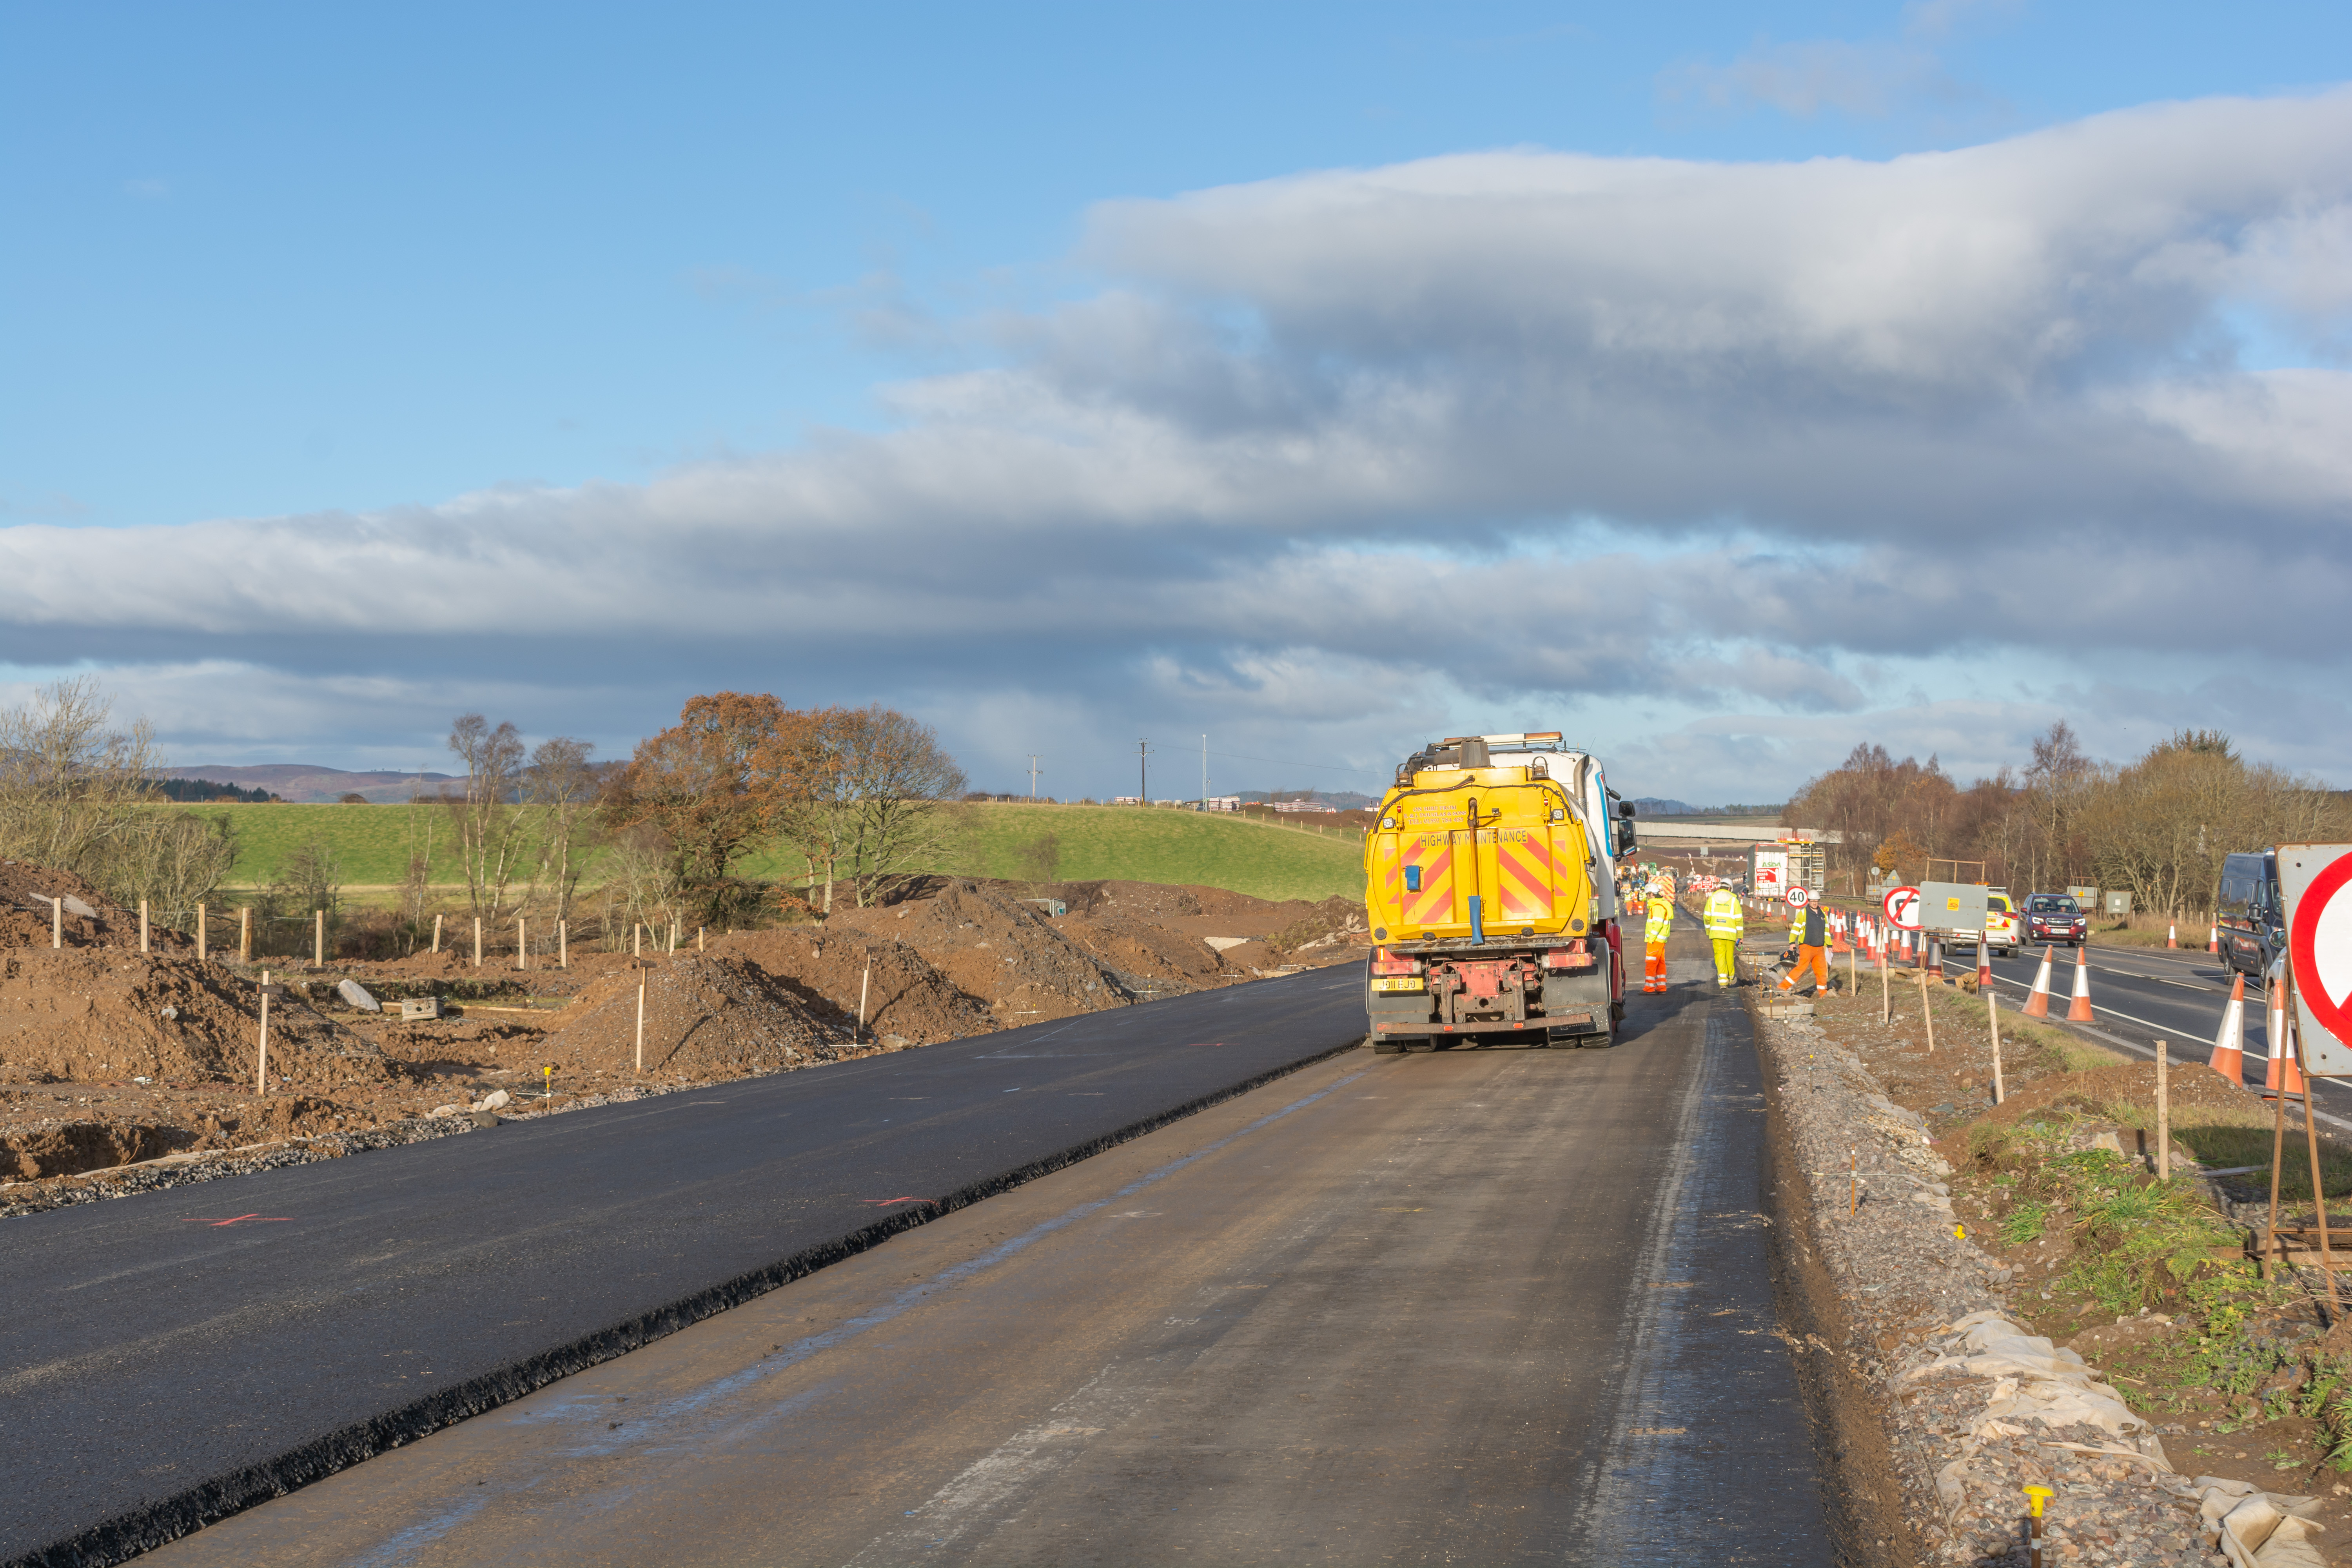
{"points": [[2320, 938], [1798, 898], [1902, 906]]}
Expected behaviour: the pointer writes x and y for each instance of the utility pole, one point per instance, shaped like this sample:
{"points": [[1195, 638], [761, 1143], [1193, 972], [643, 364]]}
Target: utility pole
{"points": [[1033, 775], [1143, 766], [1204, 773]]}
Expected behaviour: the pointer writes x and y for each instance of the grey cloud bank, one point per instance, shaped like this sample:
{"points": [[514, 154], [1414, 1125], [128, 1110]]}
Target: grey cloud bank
{"points": [[1715, 462]]}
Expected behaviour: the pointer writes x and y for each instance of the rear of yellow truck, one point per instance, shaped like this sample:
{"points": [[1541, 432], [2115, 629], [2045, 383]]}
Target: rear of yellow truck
{"points": [[1490, 881]]}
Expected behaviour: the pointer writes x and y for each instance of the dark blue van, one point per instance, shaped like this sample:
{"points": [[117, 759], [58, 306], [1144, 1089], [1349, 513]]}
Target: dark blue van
{"points": [[2252, 918]]}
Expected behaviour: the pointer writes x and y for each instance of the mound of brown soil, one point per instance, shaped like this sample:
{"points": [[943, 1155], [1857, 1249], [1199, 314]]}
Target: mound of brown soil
{"points": [[825, 969], [1007, 953], [83, 1014], [707, 1016], [66, 1148], [25, 913]]}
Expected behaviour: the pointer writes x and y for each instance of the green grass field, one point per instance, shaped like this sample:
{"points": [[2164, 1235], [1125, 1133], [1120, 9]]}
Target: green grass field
{"points": [[371, 845]]}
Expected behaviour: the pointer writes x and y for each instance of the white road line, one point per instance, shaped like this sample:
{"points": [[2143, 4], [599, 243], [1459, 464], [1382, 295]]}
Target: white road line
{"points": [[2167, 1030]]}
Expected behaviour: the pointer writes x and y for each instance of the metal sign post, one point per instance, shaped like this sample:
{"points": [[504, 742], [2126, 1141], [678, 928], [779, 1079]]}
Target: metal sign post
{"points": [[2315, 884]]}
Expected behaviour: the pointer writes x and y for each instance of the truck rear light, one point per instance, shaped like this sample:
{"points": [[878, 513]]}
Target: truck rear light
{"points": [[1384, 964], [1571, 957]]}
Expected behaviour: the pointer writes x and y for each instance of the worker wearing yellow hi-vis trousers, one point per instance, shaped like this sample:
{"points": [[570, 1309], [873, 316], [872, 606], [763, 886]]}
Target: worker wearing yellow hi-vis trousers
{"points": [[1657, 925], [1725, 926]]}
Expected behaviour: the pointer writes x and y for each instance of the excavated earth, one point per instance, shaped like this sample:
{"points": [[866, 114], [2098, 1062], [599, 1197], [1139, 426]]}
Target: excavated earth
{"points": [[122, 1070]]}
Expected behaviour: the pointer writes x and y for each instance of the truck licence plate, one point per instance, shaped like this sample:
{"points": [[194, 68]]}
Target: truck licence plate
{"points": [[1414, 984]]}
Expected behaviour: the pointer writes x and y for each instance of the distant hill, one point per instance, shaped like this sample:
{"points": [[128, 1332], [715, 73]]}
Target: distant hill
{"points": [[1340, 799], [1734, 812], [309, 783]]}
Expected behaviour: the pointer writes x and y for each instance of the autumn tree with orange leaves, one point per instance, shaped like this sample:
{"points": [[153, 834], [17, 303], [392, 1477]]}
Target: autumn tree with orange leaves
{"points": [[862, 793]]}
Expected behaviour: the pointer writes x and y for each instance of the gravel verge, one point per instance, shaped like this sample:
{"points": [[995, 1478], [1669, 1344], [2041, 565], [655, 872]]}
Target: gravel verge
{"points": [[1969, 1410]]}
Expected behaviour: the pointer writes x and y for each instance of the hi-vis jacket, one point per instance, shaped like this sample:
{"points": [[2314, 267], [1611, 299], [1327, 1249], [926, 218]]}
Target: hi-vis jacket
{"points": [[1658, 923], [1723, 914], [1809, 928]]}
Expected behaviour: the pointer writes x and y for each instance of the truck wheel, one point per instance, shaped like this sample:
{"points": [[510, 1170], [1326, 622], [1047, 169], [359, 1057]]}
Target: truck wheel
{"points": [[1385, 1046], [1601, 1042], [1616, 1016]]}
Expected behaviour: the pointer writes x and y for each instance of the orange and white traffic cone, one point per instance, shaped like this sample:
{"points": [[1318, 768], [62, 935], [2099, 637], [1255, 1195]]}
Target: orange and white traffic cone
{"points": [[2285, 1076], [1936, 960], [2213, 941], [2038, 1005], [2172, 936], [2229, 1045], [2274, 1026], [1837, 934], [1984, 968], [2079, 1010]]}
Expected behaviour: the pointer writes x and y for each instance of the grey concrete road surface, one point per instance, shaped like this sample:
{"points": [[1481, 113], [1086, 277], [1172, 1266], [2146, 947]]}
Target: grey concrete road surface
{"points": [[174, 1357], [1488, 1306]]}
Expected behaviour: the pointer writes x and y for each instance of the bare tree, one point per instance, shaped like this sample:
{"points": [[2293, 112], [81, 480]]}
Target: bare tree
{"points": [[894, 816], [78, 794], [564, 787], [494, 837]]}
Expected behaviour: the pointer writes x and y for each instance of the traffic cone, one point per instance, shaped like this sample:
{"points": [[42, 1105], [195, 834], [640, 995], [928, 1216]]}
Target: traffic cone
{"points": [[2274, 1026], [1936, 960], [2172, 936], [2229, 1045], [2038, 1005], [2286, 1075], [2213, 941], [2079, 1010], [1984, 968], [1837, 934]]}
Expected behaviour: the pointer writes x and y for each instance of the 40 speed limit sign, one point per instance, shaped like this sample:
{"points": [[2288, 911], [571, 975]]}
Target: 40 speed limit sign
{"points": [[1798, 898], [2317, 882], [1902, 906]]}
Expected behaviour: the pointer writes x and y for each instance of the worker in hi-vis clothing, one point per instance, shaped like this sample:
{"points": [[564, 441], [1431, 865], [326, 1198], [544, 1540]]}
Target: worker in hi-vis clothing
{"points": [[1725, 926], [1809, 932], [1657, 925]]}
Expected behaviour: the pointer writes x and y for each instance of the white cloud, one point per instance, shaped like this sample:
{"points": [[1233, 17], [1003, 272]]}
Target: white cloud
{"points": [[1354, 451]]}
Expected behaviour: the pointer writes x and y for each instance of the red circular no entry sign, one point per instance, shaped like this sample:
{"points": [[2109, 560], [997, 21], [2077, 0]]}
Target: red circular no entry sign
{"points": [[2320, 941]]}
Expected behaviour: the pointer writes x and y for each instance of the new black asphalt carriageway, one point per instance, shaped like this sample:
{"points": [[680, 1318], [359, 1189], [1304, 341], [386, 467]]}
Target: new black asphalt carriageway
{"points": [[172, 1358]]}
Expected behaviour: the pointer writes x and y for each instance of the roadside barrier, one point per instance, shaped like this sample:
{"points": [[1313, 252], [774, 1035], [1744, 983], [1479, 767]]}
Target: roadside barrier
{"points": [[2079, 1010], [2229, 1045], [2038, 1005]]}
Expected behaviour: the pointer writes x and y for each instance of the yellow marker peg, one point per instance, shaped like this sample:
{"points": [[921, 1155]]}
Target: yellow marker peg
{"points": [[1961, 1231], [2038, 1495], [548, 1085]]}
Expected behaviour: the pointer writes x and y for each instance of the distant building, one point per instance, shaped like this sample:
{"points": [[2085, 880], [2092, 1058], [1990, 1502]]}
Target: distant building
{"points": [[1224, 803], [1304, 805]]}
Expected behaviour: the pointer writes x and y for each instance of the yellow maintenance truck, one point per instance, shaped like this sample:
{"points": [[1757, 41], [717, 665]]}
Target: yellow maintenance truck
{"points": [[1490, 880]]}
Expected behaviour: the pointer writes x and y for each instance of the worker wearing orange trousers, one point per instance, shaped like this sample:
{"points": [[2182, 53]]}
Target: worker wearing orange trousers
{"points": [[1657, 925], [1809, 932]]}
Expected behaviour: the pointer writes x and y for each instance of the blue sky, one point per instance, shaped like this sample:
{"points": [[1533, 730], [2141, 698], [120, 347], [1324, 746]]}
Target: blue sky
{"points": [[285, 282]]}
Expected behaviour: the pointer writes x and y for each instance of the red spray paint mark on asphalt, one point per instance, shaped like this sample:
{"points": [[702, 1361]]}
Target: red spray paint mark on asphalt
{"points": [[240, 1219], [1203, 1045], [886, 1202]]}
